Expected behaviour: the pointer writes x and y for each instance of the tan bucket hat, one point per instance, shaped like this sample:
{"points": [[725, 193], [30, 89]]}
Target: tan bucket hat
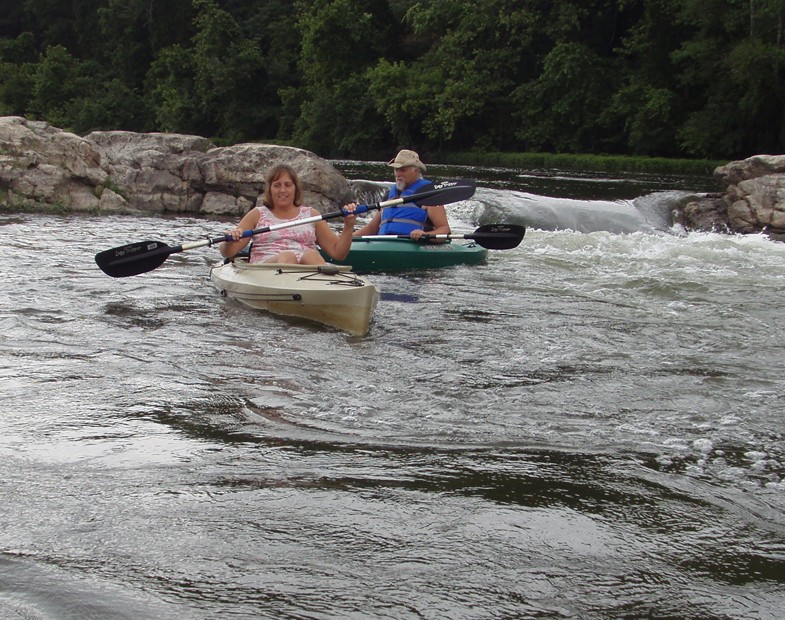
{"points": [[406, 158]]}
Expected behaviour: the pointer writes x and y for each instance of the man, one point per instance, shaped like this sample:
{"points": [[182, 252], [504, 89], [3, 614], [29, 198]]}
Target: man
{"points": [[408, 218]]}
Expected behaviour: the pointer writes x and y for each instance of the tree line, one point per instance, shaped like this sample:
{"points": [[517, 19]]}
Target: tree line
{"points": [[361, 78]]}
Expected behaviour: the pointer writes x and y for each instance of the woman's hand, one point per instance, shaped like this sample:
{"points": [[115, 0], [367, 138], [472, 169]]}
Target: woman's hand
{"points": [[236, 233], [349, 218]]}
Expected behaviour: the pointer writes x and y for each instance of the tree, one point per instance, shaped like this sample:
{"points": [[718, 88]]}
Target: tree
{"points": [[71, 24], [228, 72], [646, 106], [459, 64], [563, 109], [17, 74], [56, 82], [731, 70], [216, 86], [133, 32], [359, 77], [170, 91], [340, 40]]}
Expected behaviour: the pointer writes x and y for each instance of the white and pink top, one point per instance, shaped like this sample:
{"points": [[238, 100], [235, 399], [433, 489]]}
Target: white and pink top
{"points": [[295, 239]]}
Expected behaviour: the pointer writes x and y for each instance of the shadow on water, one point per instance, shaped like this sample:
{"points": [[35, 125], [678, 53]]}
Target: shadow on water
{"points": [[609, 488], [407, 298], [133, 316], [610, 482], [478, 315]]}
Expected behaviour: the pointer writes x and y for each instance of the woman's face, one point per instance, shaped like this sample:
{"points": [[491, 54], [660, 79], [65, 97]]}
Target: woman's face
{"points": [[283, 190]]}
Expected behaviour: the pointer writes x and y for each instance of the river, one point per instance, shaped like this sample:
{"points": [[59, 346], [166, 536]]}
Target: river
{"points": [[589, 426]]}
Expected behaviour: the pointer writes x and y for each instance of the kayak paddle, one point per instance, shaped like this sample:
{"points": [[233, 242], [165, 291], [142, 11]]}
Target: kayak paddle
{"points": [[141, 257], [490, 236]]}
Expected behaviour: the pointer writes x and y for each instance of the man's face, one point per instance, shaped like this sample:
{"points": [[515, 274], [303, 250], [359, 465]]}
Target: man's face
{"points": [[405, 176]]}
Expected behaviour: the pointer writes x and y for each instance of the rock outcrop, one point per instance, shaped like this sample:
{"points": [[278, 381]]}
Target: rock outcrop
{"points": [[124, 172], [753, 200]]}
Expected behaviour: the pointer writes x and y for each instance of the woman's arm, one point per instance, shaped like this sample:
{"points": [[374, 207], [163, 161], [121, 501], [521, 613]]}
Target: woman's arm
{"points": [[337, 246], [231, 248]]}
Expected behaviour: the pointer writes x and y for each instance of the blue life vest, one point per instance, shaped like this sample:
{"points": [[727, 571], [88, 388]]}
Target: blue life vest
{"points": [[405, 218]]}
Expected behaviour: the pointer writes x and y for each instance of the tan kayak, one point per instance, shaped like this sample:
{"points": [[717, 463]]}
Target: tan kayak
{"points": [[330, 294]]}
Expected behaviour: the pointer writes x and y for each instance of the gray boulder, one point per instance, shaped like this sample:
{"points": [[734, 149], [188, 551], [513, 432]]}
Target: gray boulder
{"points": [[735, 172], [42, 167], [753, 200]]}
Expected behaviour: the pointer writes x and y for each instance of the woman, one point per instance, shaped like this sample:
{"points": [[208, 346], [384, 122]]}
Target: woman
{"points": [[282, 202]]}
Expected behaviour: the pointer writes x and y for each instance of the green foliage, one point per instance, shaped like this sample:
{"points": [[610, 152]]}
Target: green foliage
{"points": [[224, 64], [17, 74], [562, 110], [456, 66], [56, 82], [403, 107], [340, 40], [649, 115], [171, 93], [214, 86], [361, 78], [732, 76]]}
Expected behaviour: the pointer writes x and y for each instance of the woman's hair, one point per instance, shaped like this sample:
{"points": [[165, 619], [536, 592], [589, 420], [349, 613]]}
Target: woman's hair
{"points": [[273, 175]]}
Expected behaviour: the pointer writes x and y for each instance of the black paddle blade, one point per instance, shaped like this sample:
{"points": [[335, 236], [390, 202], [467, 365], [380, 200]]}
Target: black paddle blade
{"points": [[133, 259], [498, 236], [444, 193]]}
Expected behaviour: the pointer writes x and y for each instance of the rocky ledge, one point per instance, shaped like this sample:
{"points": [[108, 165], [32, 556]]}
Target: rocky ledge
{"points": [[753, 200], [42, 167]]}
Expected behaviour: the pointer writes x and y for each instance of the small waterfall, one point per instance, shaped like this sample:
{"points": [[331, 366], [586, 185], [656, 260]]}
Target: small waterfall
{"points": [[368, 192], [658, 207], [652, 212]]}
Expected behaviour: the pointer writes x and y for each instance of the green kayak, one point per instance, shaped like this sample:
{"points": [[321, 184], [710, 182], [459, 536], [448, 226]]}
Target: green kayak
{"points": [[373, 254]]}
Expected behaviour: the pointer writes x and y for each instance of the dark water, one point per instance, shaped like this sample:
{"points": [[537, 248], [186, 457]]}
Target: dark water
{"points": [[548, 182], [590, 426]]}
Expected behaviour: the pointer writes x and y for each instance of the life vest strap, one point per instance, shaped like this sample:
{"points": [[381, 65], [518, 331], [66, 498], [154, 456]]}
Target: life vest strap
{"points": [[401, 220]]}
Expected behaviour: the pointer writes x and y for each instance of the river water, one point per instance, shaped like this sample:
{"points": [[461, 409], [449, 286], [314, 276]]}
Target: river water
{"points": [[589, 426]]}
